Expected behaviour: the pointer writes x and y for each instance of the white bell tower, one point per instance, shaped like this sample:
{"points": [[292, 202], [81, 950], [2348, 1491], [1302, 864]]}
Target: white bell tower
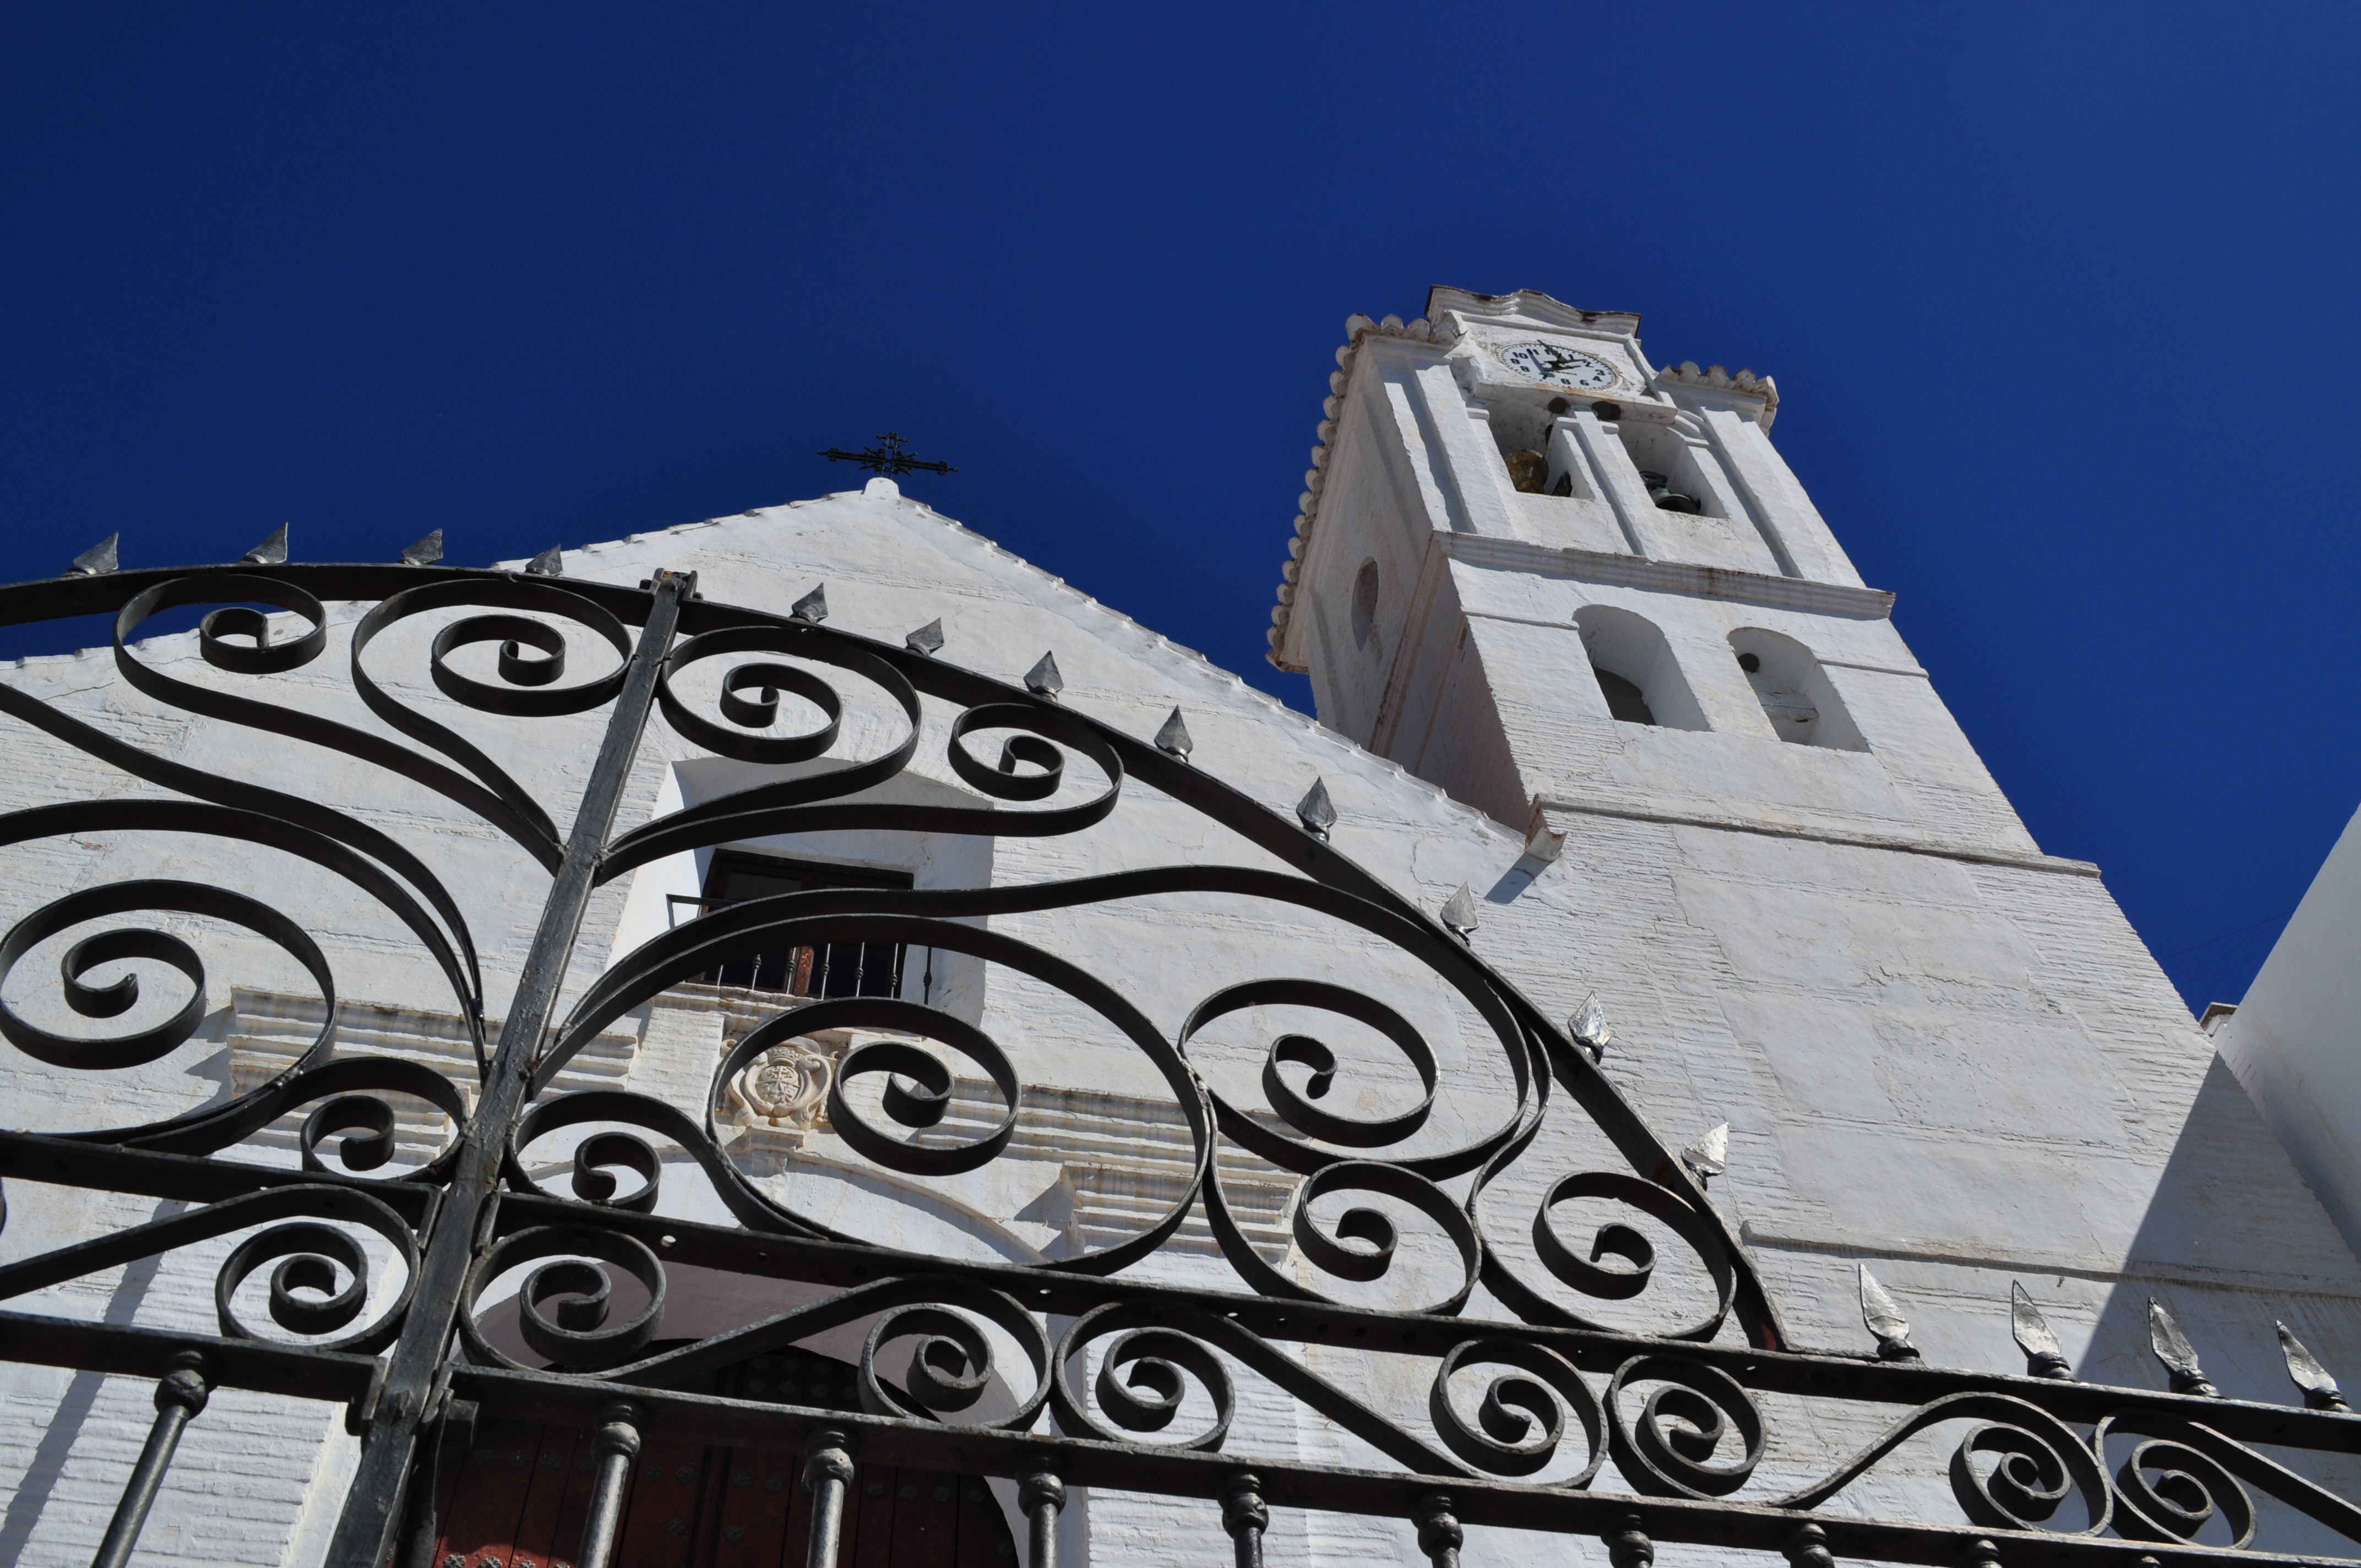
{"points": [[1558, 581]]}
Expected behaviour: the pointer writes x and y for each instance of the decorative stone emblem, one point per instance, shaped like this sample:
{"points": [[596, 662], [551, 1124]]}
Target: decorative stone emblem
{"points": [[787, 1086]]}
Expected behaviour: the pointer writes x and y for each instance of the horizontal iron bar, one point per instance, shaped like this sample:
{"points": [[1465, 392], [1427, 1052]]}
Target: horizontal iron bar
{"points": [[123, 1351], [1186, 1472], [70, 1162], [1313, 1322]]}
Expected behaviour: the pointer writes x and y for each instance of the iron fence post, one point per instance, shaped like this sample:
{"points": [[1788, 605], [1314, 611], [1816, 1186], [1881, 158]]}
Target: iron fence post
{"points": [[180, 1395]]}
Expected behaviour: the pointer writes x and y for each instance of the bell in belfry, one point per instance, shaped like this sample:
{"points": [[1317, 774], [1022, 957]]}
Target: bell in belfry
{"points": [[1661, 491], [1528, 470]]}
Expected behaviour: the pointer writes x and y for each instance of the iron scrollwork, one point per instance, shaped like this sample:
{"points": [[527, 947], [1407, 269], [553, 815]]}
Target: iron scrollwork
{"points": [[1536, 1404]]}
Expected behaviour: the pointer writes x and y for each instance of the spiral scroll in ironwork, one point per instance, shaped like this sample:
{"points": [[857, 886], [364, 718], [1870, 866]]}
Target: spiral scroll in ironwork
{"points": [[160, 1039], [1298, 1110], [476, 784], [813, 802], [1154, 1350], [2171, 1485], [352, 1111], [2040, 1463], [360, 1123], [304, 1298], [1619, 1263], [307, 1227], [2186, 1473], [764, 679], [1365, 1241], [312, 1255], [1143, 1382], [565, 1305], [599, 1156], [1521, 1421], [1668, 1449], [905, 1065], [951, 1362]]}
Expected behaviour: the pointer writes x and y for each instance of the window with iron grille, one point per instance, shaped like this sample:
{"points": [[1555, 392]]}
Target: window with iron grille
{"points": [[822, 970]]}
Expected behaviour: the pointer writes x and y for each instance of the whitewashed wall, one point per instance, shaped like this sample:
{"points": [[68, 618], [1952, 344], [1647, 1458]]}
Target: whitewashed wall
{"points": [[1938, 1049], [2292, 1041]]}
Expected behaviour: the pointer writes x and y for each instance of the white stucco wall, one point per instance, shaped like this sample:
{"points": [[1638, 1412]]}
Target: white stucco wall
{"points": [[2292, 1040], [1939, 1048]]}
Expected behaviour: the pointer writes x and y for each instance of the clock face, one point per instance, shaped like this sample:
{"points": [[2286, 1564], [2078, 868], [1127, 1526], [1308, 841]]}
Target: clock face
{"points": [[1556, 367]]}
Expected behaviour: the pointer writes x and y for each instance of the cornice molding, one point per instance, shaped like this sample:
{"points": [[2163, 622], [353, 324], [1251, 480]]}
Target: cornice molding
{"points": [[1714, 381], [1670, 576], [1790, 827]]}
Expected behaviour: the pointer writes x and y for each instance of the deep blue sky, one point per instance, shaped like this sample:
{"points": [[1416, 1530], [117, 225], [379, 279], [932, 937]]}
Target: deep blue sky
{"points": [[2058, 297]]}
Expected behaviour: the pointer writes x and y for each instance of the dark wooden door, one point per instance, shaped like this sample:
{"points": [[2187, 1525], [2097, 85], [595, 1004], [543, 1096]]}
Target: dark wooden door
{"points": [[517, 1501]]}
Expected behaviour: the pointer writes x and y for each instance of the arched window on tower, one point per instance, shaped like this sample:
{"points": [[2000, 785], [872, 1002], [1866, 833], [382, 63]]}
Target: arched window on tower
{"points": [[1636, 671], [1796, 693]]}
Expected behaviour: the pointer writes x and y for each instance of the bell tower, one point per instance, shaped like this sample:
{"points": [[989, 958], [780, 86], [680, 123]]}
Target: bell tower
{"points": [[1560, 582]]}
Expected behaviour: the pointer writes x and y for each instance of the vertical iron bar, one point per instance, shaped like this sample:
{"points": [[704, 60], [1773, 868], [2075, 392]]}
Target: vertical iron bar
{"points": [[375, 1498], [1040, 1493], [1628, 1545], [455, 1433], [827, 1474], [1439, 1535], [1806, 1546], [617, 1445], [179, 1396], [1245, 1516]]}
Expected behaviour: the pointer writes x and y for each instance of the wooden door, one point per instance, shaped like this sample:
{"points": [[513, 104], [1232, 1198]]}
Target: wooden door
{"points": [[518, 1499]]}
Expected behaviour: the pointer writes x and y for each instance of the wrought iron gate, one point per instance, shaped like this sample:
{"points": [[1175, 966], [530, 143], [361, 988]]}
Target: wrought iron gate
{"points": [[1557, 1394]]}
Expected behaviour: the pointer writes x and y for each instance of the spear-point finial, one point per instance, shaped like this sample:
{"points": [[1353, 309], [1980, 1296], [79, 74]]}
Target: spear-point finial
{"points": [[1459, 913], [2044, 1357], [96, 561], [1709, 1156], [550, 563], [812, 608], [426, 551], [2180, 1357], [1172, 739], [1884, 1319], [2319, 1389], [271, 551], [1043, 679], [1315, 810], [927, 638], [1588, 1027]]}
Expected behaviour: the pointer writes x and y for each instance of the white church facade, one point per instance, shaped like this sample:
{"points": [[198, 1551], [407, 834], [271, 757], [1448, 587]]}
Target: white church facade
{"points": [[801, 1038]]}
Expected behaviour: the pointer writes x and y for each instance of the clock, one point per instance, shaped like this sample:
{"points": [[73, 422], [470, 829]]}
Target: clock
{"points": [[1554, 366]]}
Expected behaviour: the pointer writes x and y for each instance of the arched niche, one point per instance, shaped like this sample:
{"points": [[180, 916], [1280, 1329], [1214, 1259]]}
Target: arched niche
{"points": [[1630, 658], [1797, 698]]}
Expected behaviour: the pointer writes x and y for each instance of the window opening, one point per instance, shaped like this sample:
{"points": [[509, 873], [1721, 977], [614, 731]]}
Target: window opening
{"points": [[824, 969], [1624, 700], [1639, 678], [1796, 693], [1364, 603]]}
